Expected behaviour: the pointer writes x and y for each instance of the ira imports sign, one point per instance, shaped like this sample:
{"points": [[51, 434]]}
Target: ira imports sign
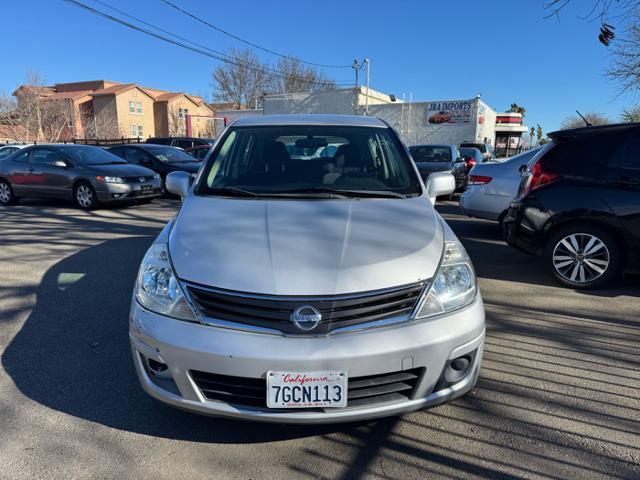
{"points": [[457, 111]]}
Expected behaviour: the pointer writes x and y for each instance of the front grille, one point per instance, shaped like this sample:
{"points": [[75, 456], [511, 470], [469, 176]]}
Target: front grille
{"points": [[363, 391], [148, 178], [338, 311]]}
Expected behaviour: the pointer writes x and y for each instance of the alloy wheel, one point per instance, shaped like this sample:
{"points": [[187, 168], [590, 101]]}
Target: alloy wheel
{"points": [[5, 193], [581, 258], [84, 196]]}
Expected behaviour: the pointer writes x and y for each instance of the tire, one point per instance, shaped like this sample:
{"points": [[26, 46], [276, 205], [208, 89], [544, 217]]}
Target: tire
{"points": [[583, 256], [85, 196], [7, 197]]}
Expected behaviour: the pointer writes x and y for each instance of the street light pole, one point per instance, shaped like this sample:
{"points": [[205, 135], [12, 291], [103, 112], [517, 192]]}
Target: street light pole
{"points": [[366, 102], [356, 66]]}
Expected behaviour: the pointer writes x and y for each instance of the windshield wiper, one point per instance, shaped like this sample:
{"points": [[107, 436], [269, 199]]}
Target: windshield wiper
{"points": [[231, 192], [343, 193]]}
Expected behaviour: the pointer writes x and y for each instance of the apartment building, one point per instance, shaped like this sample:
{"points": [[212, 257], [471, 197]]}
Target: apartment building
{"points": [[106, 109]]}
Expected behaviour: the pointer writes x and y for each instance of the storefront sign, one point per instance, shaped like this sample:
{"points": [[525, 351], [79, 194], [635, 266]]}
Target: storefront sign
{"points": [[450, 112]]}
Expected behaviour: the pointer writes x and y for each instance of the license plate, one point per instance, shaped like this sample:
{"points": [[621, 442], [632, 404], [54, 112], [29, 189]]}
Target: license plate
{"points": [[145, 188], [306, 389]]}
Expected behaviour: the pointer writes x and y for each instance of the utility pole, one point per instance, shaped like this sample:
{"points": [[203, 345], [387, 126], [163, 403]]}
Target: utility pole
{"points": [[366, 104], [356, 66]]}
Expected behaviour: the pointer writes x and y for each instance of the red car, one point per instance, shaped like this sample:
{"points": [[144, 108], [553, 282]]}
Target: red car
{"points": [[440, 117]]}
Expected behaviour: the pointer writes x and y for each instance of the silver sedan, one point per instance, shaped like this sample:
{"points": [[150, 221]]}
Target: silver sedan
{"points": [[492, 186]]}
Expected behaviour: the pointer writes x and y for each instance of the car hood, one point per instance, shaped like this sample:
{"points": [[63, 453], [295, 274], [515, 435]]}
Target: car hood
{"points": [[191, 167], [306, 247], [434, 166], [120, 170]]}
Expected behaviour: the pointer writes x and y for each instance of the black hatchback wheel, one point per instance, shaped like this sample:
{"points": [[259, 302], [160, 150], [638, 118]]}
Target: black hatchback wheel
{"points": [[7, 197], [583, 257]]}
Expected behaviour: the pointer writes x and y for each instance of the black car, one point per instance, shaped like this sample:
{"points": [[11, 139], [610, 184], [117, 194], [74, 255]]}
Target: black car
{"points": [[88, 175], [579, 205], [440, 158], [159, 158], [181, 142]]}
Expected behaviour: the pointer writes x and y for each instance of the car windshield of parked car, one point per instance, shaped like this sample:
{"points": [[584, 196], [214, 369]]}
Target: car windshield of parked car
{"points": [[170, 155], [87, 155], [427, 153], [324, 161], [480, 146]]}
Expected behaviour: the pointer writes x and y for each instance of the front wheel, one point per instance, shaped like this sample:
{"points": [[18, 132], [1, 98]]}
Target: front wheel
{"points": [[85, 196], [583, 257], [7, 197]]}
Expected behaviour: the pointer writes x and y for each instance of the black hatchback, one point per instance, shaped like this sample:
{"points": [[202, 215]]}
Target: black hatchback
{"points": [[579, 205]]}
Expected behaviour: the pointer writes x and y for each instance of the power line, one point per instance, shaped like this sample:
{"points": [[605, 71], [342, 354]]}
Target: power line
{"points": [[197, 48], [264, 49]]}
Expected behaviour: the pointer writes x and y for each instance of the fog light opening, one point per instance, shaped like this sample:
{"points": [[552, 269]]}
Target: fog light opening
{"points": [[155, 366], [455, 370]]}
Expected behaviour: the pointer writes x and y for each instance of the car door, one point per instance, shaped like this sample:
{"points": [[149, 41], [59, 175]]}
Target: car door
{"points": [[19, 172], [52, 173], [139, 156], [620, 185]]}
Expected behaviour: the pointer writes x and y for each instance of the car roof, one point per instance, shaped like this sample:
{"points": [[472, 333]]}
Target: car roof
{"points": [[288, 120], [593, 130]]}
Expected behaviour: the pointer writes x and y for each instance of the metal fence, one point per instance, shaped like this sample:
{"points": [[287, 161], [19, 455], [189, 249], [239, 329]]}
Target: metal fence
{"points": [[105, 142]]}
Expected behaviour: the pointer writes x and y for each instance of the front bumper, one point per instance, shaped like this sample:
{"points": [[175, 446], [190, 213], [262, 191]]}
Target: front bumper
{"points": [[117, 192], [186, 347]]}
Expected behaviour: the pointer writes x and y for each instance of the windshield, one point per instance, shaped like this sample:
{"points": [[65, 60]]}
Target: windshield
{"points": [[480, 146], [430, 153], [309, 161], [170, 154], [87, 155], [468, 152]]}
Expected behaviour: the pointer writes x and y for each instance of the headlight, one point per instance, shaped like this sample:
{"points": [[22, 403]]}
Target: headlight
{"points": [[157, 288], [454, 285], [110, 179]]}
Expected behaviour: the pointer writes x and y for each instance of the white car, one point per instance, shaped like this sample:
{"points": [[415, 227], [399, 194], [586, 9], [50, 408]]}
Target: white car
{"points": [[7, 150], [492, 186], [281, 293]]}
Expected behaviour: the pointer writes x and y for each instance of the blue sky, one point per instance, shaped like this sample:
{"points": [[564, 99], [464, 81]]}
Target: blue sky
{"points": [[504, 49]]}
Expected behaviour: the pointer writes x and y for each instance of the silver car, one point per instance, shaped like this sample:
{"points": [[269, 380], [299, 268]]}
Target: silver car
{"points": [[307, 290], [492, 186]]}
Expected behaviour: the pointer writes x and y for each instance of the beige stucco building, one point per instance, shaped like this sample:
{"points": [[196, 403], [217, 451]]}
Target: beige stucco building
{"points": [[105, 109]]}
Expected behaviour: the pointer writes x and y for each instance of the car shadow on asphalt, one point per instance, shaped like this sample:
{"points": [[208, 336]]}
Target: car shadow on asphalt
{"points": [[72, 354]]}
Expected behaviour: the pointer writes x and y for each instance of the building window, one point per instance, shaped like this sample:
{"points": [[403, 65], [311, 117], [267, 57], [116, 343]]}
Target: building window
{"points": [[183, 112], [140, 131], [137, 131], [132, 107], [134, 130], [138, 107]]}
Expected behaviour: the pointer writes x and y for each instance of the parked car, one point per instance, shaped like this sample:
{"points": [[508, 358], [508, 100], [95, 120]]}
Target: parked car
{"points": [[181, 142], [199, 151], [88, 175], [492, 186], [7, 150], [159, 158], [472, 157], [280, 294], [579, 205], [440, 158], [485, 148]]}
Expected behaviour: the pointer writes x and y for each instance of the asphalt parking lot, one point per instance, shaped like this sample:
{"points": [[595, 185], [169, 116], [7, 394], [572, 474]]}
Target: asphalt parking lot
{"points": [[558, 396]]}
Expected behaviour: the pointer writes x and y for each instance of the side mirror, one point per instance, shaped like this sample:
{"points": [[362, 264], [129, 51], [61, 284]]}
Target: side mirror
{"points": [[178, 183], [438, 184], [522, 168], [60, 164]]}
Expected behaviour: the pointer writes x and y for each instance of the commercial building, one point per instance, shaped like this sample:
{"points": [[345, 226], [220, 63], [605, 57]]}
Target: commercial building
{"points": [[437, 121]]}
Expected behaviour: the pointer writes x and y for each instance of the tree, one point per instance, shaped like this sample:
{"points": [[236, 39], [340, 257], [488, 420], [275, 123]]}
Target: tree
{"points": [[625, 58], [575, 121], [515, 108], [241, 82], [532, 134], [539, 134], [294, 77], [34, 114], [631, 114]]}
